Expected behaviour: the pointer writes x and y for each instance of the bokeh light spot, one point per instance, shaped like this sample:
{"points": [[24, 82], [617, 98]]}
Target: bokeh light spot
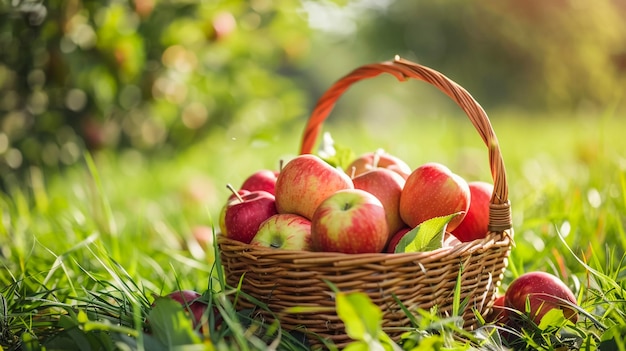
{"points": [[594, 198], [76, 99], [195, 115], [13, 158]]}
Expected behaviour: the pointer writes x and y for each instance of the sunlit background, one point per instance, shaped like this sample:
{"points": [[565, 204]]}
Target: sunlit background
{"points": [[152, 78]]}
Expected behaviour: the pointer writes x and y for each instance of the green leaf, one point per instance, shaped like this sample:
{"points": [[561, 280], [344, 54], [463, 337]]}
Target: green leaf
{"points": [[612, 337], [170, 324], [363, 319], [71, 337], [357, 346], [29, 342], [336, 155], [554, 317], [431, 342], [427, 236], [81, 317], [456, 303], [149, 342]]}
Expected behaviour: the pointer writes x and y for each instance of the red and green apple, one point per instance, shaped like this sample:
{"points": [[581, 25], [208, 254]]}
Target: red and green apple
{"points": [[433, 190], [264, 179], [378, 159], [285, 231], [387, 186], [349, 221], [306, 181], [543, 292]]}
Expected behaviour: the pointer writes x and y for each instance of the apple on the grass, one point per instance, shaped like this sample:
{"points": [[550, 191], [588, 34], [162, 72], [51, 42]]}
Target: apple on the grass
{"points": [[243, 216], [378, 159], [194, 306], [189, 299], [433, 190], [285, 231], [349, 221], [475, 224], [264, 179], [387, 186], [544, 292], [498, 313], [304, 182]]}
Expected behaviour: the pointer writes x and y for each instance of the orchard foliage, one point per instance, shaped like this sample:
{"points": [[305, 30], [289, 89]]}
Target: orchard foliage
{"points": [[145, 74]]}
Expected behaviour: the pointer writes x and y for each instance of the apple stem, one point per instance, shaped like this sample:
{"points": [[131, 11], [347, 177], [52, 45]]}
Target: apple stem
{"points": [[280, 165], [352, 172], [232, 189]]}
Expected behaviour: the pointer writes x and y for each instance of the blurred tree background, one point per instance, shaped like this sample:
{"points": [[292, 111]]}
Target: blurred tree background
{"points": [[159, 76], [151, 75]]}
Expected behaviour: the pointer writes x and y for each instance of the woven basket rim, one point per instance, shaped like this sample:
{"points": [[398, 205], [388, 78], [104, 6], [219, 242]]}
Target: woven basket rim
{"points": [[491, 238]]}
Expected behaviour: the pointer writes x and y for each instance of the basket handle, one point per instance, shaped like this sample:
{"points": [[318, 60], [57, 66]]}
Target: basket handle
{"points": [[499, 209]]}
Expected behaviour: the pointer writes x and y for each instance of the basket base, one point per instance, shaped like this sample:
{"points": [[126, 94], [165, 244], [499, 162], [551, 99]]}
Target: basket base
{"points": [[310, 332]]}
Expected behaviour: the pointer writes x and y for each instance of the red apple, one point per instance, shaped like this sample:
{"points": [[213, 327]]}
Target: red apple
{"points": [[544, 292], [395, 239], [387, 186], [474, 225], [261, 180], [242, 218], [349, 221], [191, 302], [233, 198], [188, 298], [378, 159], [285, 231], [432, 190], [304, 182], [498, 312]]}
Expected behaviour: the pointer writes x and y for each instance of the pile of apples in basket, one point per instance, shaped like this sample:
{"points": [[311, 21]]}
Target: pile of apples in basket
{"points": [[377, 204]]}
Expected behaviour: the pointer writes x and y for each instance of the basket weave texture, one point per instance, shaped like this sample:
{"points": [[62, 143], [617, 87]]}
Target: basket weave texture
{"points": [[286, 279]]}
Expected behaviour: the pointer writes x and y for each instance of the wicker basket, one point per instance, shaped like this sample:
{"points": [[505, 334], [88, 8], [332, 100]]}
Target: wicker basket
{"points": [[285, 279]]}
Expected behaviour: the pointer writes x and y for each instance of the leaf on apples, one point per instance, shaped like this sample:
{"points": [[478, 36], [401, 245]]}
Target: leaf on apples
{"points": [[427, 236], [336, 155]]}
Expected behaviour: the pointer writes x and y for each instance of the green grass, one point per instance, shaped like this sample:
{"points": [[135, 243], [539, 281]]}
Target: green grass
{"points": [[85, 252]]}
